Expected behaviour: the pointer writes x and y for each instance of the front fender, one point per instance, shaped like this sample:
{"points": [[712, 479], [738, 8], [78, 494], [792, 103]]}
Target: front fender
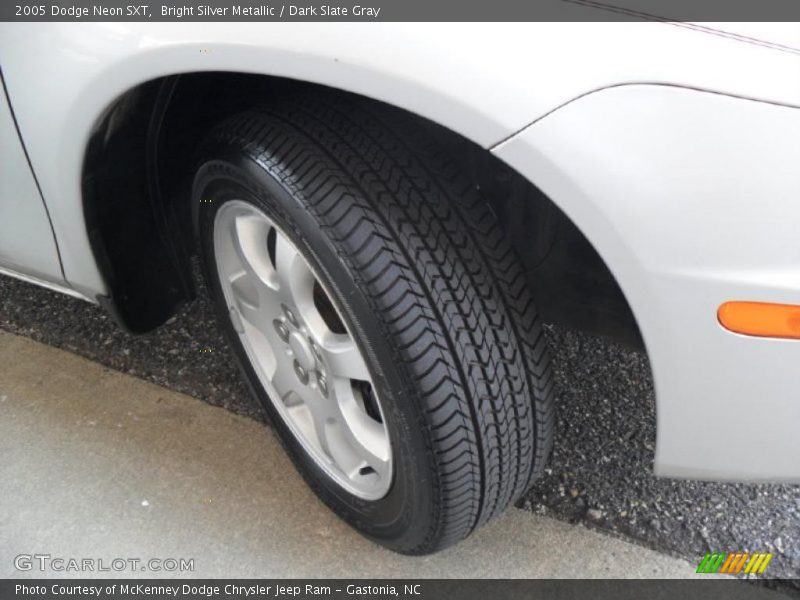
{"points": [[691, 198]]}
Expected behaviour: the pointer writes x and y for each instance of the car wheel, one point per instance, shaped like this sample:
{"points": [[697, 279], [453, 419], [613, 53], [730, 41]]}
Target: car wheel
{"points": [[378, 313]]}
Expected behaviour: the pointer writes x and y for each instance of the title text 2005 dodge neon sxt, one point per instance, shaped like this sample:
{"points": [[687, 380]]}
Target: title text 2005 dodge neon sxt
{"points": [[386, 213]]}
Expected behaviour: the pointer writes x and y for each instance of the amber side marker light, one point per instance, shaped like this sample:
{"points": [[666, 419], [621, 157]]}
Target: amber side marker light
{"points": [[763, 319]]}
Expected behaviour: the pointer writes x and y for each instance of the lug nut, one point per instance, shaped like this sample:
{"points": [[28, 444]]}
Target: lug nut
{"points": [[301, 373], [289, 315], [323, 384], [282, 330]]}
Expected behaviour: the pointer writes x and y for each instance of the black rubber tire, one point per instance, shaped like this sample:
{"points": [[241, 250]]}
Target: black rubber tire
{"points": [[427, 284]]}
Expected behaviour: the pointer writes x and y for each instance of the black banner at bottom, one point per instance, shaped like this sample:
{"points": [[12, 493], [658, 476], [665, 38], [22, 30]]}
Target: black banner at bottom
{"points": [[405, 589]]}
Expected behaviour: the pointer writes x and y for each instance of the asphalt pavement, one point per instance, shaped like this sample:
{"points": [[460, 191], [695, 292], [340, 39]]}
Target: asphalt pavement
{"points": [[600, 474]]}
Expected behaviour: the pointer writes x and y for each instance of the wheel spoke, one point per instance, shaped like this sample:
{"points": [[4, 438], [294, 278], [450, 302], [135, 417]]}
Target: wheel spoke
{"points": [[369, 441], [258, 308], [283, 379], [294, 275], [254, 286], [324, 416], [366, 437], [321, 427], [246, 296], [250, 241], [343, 357]]}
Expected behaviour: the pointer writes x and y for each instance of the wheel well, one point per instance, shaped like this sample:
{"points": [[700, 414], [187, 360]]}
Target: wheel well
{"points": [[136, 181]]}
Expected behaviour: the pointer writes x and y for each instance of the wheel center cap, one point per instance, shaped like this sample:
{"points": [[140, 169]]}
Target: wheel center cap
{"points": [[302, 351]]}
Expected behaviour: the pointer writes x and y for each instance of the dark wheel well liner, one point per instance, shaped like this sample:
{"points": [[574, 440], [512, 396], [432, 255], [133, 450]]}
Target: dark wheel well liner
{"points": [[136, 177]]}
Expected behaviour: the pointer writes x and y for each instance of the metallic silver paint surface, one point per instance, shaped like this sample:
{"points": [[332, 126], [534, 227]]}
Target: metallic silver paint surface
{"points": [[692, 200], [26, 238]]}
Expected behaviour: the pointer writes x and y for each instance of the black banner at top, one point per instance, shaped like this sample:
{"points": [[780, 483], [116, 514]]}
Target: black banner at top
{"points": [[399, 10]]}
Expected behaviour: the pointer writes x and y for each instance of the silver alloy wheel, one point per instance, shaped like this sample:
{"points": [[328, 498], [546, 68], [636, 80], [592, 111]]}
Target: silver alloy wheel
{"points": [[304, 356]]}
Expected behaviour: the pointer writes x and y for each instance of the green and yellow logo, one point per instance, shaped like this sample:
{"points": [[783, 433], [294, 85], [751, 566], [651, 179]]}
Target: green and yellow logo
{"points": [[735, 562]]}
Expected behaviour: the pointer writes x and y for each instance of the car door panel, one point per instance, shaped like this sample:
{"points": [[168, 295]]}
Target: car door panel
{"points": [[27, 244]]}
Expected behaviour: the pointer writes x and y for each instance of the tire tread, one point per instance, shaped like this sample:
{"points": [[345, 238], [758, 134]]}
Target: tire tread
{"points": [[428, 252]]}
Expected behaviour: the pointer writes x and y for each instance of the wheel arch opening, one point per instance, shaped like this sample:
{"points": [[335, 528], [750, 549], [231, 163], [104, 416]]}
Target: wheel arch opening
{"points": [[136, 181]]}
